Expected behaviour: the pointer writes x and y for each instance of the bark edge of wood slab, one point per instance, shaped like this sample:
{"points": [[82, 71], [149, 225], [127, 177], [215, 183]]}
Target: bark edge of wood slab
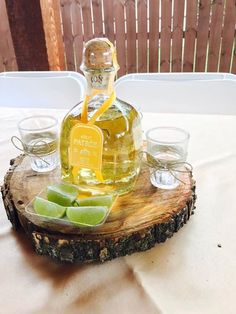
{"points": [[80, 248]]}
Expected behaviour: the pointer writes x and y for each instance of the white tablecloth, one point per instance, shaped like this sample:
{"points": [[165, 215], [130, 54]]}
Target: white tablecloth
{"points": [[193, 272]]}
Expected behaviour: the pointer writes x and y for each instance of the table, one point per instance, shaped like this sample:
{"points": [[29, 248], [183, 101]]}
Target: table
{"points": [[193, 272]]}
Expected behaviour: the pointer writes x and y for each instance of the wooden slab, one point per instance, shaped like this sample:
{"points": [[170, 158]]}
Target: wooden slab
{"points": [[138, 220]]}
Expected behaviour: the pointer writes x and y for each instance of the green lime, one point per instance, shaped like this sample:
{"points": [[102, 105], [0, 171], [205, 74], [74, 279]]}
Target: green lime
{"points": [[62, 194], [46, 208], [102, 200], [87, 215]]}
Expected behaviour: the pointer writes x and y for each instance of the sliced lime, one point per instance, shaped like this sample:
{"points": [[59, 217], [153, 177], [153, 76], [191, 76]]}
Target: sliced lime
{"points": [[102, 200], [46, 208], [87, 215], [62, 194]]}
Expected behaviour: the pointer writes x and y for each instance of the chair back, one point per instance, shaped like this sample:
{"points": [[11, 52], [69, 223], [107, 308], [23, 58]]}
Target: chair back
{"points": [[206, 93], [41, 89]]}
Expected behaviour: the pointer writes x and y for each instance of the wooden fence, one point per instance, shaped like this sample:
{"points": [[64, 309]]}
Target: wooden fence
{"points": [[7, 54], [150, 35]]}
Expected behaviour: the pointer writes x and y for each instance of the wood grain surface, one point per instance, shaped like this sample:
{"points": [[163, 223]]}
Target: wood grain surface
{"points": [[119, 15], [166, 7], [7, 53], [53, 34], [215, 39], [228, 36], [142, 36], [202, 35], [177, 42], [190, 36], [138, 220], [26, 26], [154, 36], [68, 34], [131, 37]]}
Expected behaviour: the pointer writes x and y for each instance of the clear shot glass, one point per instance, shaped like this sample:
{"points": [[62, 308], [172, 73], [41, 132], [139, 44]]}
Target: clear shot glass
{"points": [[39, 136], [168, 146]]}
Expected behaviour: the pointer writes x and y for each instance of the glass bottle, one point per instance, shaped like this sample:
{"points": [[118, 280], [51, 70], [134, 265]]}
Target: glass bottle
{"points": [[118, 122]]}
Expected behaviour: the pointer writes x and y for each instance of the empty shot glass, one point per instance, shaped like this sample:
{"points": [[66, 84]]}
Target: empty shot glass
{"points": [[39, 136], [167, 147]]}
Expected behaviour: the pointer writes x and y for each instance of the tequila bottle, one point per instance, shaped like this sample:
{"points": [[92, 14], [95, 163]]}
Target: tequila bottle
{"points": [[101, 137]]}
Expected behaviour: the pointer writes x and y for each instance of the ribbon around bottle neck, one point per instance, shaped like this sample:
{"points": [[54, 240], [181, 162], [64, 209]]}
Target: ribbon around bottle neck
{"points": [[84, 114], [170, 166]]}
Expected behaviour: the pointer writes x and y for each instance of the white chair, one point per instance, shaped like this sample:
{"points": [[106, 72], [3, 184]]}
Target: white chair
{"points": [[53, 89], [208, 93]]}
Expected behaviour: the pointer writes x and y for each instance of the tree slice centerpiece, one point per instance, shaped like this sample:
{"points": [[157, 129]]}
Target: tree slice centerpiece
{"points": [[138, 220]]}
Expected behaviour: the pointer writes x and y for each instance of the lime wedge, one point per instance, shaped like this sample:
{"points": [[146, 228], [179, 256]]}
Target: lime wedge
{"points": [[102, 200], [87, 215], [46, 208], [62, 194]]}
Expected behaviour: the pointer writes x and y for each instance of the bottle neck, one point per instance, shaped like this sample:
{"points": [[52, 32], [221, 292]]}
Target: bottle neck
{"points": [[100, 82]]}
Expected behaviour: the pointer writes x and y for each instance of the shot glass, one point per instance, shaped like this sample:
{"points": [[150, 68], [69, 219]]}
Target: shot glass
{"points": [[168, 146], [39, 135]]}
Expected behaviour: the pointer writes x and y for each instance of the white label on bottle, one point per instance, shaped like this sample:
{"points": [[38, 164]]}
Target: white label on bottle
{"points": [[99, 81]]}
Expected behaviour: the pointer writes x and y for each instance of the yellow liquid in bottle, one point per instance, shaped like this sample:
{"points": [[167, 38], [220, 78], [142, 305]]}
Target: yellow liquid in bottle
{"points": [[121, 128]]}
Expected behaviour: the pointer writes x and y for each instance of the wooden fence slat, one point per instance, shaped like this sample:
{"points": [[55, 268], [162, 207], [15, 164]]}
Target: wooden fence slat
{"points": [[87, 19], [153, 35], [131, 36], [67, 34], [97, 17], [53, 35], [202, 35], [190, 35], [228, 35], [215, 35], [109, 19], [233, 70], [120, 36], [165, 35], [26, 25], [142, 36], [77, 33], [7, 53], [2, 68], [177, 41]]}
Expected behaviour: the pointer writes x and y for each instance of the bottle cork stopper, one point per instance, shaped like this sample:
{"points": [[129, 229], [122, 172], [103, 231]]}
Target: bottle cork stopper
{"points": [[98, 54]]}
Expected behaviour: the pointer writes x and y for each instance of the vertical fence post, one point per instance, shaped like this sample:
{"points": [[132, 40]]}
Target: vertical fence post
{"points": [[190, 36], [228, 35], [53, 34], [233, 70], [26, 25], [7, 53]]}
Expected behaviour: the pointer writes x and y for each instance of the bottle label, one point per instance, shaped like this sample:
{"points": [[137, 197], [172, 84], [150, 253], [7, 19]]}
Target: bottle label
{"points": [[99, 80], [86, 146]]}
